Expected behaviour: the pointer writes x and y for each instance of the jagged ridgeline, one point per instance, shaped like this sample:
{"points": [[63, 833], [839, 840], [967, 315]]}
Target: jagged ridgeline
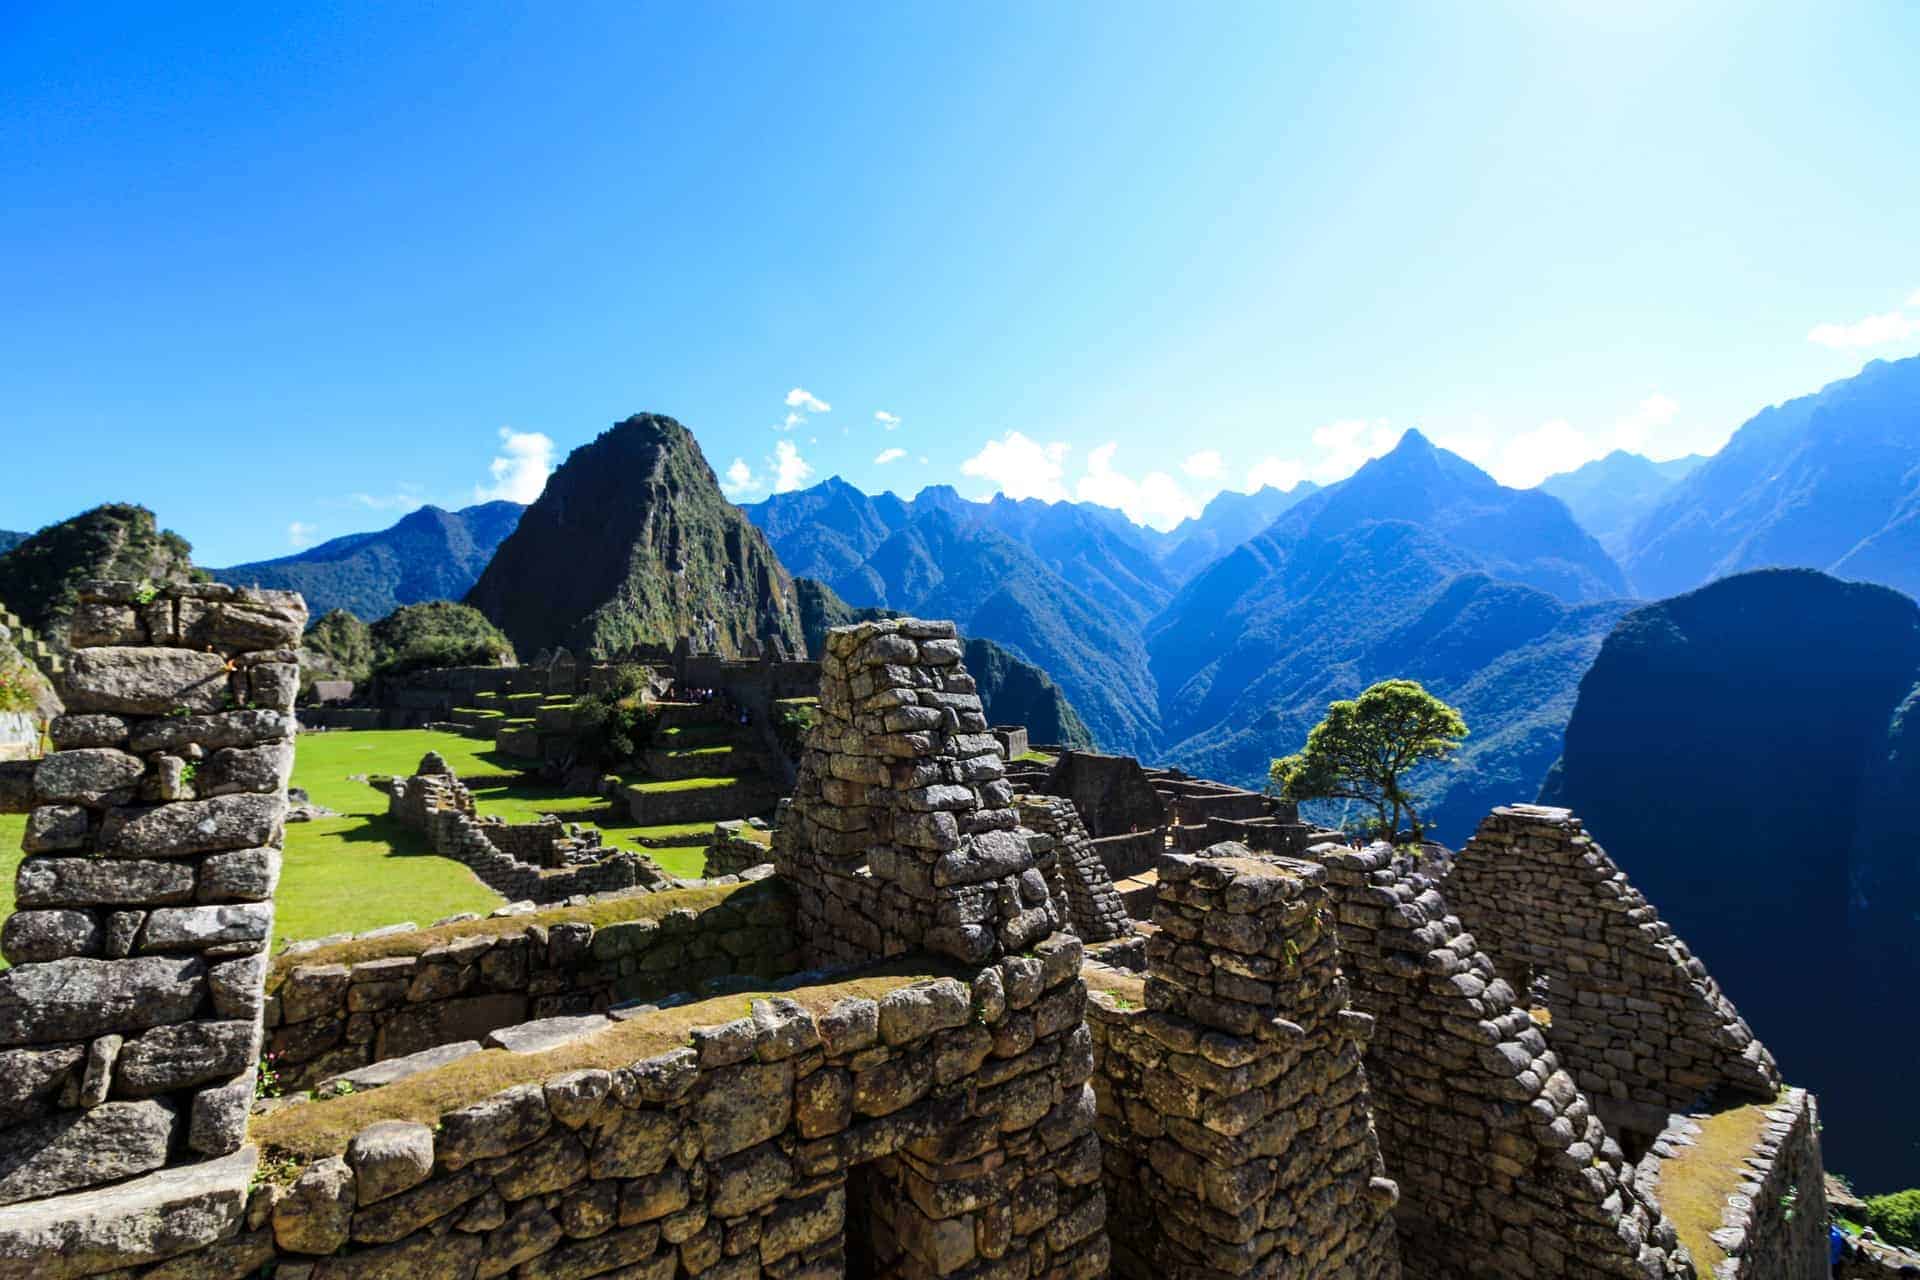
{"points": [[40, 576], [632, 542]]}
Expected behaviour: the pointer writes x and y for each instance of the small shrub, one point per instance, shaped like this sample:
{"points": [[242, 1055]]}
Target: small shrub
{"points": [[1896, 1217]]}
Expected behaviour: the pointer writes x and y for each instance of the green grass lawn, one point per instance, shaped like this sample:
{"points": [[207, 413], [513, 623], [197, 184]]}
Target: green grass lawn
{"points": [[684, 784]]}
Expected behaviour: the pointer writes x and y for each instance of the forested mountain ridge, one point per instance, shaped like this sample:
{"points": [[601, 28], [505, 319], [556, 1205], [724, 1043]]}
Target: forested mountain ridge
{"points": [[1825, 481], [429, 554]]}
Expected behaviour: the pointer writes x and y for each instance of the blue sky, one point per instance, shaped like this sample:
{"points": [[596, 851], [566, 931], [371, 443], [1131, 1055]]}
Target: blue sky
{"points": [[278, 275]]}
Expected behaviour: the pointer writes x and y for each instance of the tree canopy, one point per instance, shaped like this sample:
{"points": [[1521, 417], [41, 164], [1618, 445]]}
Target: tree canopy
{"points": [[1365, 747]]}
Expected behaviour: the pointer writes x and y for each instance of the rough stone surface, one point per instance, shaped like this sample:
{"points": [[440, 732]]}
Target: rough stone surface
{"points": [[71, 1149]]}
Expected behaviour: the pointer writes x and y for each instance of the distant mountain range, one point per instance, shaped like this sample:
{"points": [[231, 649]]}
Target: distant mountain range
{"points": [[429, 554], [1750, 754], [9, 539], [1828, 481], [1609, 495], [631, 542], [1226, 522]]}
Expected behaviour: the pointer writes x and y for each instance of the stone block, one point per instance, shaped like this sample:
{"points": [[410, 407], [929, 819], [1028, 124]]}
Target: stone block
{"points": [[96, 776], [146, 681], [55, 828], [217, 1123], [245, 875], [225, 729], [388, 1157], [316, 1213], [96, 882], [73, 731], [31, 1079], [232, 770], [73, 1149], [32, 937], [80, 998], [195, 826], [159, 1216], [184, 1054], [195, 928]]}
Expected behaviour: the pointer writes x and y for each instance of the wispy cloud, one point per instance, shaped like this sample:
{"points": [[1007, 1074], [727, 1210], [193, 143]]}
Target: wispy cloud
{"points": [[1154, 499], [1872, 331], [1204, 465], [406, 499], [889, 455], [804, 400], [1020, 468], [1522, 459], [1280, 473], [520, 469], [301, 534], [885, 419]]}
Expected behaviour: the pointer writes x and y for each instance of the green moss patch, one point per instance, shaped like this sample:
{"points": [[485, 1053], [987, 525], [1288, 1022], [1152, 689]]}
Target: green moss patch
{"points": [[314, 1130], [1695, 1183], [639, 906]]}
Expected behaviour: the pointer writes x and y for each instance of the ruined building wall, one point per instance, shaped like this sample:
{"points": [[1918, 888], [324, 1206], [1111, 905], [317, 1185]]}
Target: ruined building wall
{"points": [[1503, 1167], [130, 1021], [1234, 1113], [1079, 877], [1635, 1016], [902, 833], [327, 1017]]}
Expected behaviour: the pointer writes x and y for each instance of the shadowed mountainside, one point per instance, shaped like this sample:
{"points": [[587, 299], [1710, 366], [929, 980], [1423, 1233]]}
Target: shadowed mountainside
{"points": [[1827, 481], [1749, 754], [429, 554], [632, 542]]}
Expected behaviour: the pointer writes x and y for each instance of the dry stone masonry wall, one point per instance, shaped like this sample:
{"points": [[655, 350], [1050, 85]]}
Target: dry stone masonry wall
{"points": [[1503, 1167], [1080, 878], [1634, 1016], [1233, 1107], [130, 1021], [902, 834]]}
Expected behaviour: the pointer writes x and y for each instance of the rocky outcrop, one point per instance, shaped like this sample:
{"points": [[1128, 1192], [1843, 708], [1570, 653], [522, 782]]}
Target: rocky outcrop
{"points": [[633, 543], [40, 578]]}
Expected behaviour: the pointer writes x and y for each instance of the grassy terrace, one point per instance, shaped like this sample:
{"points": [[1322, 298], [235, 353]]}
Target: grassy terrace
{"points": [[315, 1130], [1694, 1185]]}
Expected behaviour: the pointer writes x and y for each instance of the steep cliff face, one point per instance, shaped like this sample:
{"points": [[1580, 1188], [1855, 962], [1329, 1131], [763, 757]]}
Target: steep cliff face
{"points": [[1746, 753], [39, 576], [632, 542]]}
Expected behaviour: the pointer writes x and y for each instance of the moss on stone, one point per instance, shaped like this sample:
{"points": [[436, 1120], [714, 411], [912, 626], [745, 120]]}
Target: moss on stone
{"points": [[1695, 1183]]}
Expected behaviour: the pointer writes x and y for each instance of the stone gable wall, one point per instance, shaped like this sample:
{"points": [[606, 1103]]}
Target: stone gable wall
{"points": [[131, 1021], [1233, 1108], [1503, 1167], [327, 1019], [1079, 877], [1635, 1015]]}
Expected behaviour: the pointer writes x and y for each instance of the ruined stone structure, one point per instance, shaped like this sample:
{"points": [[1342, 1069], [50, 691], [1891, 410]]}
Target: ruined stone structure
{"points": [[131, 1020], [1233, 1107], [1301, 1067], [1633, 1015], [532, 861], [737, 845], [902, 833]]}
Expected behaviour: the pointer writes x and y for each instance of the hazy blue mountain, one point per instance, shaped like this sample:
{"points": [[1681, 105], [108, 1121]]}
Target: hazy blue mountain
{"points": [[428, 554], [1750, 754], [1226, 522], [9, 539], [1419, 565], [1609, 495], [1828, 481]]}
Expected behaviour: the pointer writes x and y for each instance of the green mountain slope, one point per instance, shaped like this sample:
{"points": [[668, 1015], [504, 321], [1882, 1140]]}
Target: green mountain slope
{"points": [[38, 577], [429, 554], [632, 542]]}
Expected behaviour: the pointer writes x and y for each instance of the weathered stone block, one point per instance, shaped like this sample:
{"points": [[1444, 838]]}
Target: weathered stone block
{"points": [[317, 1211], [182, 928], [90, 776], [218, 1122], [73, 731], [73, 1149], [195, 826], [232, 770], [183, 1054], [388, 1157], [35, 936], [146, 681], [245, 875], [78, 999], [91, 882], [30, 1079], [55, 828], [225, 729]]}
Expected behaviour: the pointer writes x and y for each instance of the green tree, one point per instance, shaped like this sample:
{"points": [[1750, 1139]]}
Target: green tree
{"points": [[1896, 1217], [1365, 747], [438, 633]]}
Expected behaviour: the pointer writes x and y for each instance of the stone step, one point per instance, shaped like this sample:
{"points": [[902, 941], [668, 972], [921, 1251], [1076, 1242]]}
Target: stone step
{"points": [[546, 1033], [392, 1070]]}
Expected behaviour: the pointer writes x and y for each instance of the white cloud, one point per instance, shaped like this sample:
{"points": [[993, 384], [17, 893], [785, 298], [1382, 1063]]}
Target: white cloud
{"points": [[889, 455], [1914, 301], [791, 421], [1204, 465], [300, 534], [1349, 444], [408, 499], [1020, 468], [885, 419], [1524, 458], [520, 469], [807, 402], [1154, 499], [790, 470], [739, 480], [1874, 331], [1280, 473]]}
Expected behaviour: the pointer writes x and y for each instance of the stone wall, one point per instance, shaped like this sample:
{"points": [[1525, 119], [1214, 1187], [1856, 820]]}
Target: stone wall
{"points": [[514, 860], [942, 1128], [1080, 878], [1233, 1109], [731, 850], [1111, 793], [902, 833], [328, 1018], [1634, 1016], [1131, 854], [1503, 1167], [131, 1020]]}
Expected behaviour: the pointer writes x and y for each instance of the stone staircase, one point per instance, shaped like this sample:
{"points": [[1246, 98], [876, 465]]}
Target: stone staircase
{"points": [[30, 645], [704, 766]]}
